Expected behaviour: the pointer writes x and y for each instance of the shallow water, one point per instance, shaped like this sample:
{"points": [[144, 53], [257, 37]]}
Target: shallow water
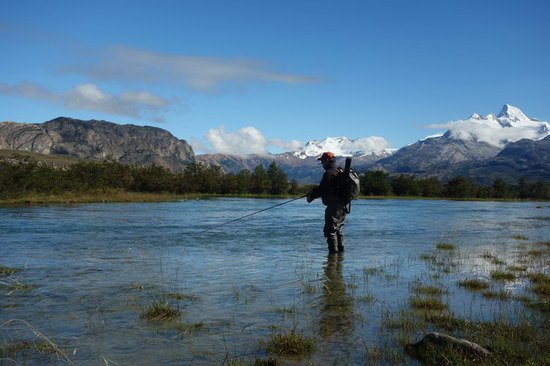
{"points": [[96, 267]]}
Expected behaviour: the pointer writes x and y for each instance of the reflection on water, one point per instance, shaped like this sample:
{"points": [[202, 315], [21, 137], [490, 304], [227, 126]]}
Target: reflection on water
{"points": [[95, 268], [336, 318]]}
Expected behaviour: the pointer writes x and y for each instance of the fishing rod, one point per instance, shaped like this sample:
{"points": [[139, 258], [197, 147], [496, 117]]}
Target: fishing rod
{"points": [[253, 213]]}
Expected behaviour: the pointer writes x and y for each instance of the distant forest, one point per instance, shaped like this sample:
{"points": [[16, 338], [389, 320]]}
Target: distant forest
{"points": [[22, 176]]}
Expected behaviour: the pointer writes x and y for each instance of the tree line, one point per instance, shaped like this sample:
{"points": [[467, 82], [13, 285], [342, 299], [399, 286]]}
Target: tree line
{"points": [[380, 183], [22, 175]]}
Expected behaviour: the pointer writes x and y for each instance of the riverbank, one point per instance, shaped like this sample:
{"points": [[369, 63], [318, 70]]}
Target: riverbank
{"points": [[104, 196], [93, 197]]}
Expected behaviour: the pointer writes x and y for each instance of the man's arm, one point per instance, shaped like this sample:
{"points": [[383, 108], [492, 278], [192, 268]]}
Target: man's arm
{"points": [[321, 189]]}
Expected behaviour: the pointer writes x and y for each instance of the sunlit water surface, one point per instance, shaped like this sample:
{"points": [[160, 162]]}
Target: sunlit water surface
{"points": [[97, 267]]}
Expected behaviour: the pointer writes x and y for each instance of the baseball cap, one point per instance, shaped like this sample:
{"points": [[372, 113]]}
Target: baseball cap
{"points": [[327, 155]]}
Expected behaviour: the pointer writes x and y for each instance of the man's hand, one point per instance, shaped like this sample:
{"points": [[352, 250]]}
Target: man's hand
{"points": [[309, 198]]}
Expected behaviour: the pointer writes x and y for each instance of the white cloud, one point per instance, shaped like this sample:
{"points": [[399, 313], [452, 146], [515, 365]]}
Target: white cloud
{"points": [[245, 141], [373, 144], [31, 91], [136, 104], [199, 73], [286, 145], [131, 104]]}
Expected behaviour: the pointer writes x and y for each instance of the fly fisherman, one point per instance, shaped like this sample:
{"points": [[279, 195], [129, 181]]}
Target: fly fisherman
{"points": [[335, 212]]}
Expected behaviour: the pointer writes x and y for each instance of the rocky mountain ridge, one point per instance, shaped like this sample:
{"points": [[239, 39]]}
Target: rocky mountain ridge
{"points": [[479, 147], [128, 144]]}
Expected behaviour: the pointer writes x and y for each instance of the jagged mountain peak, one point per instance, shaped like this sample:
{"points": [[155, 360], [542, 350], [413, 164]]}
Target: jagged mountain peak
{"points": [[512, 113]]}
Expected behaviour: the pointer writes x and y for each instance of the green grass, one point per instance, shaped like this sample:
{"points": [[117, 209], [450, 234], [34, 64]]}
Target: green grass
{"points": [[290, 344], [108, 195], [536, 252], [429, 290], [539, 278], [498, 262], [516, 268], [8, 271], [373, 271], [14, 284], [503, 275], [429, 303], [180, 297], [366, 299], [189, 328], [287, 310], [160, 310], [541, 289], [520, 237], [500, 295], [474, 284], [445, 246], [26, 348]]}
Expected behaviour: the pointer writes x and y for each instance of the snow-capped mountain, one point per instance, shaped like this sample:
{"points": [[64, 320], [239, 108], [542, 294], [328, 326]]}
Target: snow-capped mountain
{"points": [[510, 125], [468, 141], [343, 146]]}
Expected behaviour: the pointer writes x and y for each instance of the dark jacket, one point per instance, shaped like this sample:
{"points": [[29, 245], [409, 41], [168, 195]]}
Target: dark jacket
{"points": [[328, 188]]}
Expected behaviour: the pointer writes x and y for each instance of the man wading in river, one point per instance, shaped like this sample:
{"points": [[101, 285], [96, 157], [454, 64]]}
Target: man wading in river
{"points": [[336, 210]]}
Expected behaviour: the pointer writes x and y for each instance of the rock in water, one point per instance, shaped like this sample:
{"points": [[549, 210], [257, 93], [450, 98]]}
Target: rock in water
{"points": [[435, 343]]}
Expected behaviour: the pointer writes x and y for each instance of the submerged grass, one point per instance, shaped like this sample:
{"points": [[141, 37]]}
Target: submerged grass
{"points": [[190, 328]]}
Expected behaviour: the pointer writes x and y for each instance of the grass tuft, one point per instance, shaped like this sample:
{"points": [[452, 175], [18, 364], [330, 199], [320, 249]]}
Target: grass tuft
{"points": [[8, 271], [26, 348], [500, 295], [429, 290], [502, 275], [429, 303], [519, 237], [179, 296], [474, 284], [538, 278], [445, 246], [160, 310], [536, 252], [290, 344], [516, 268]]}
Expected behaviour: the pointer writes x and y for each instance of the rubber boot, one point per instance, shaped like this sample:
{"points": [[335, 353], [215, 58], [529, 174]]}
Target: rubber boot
{"points": [[332, 242], [340, 239]]}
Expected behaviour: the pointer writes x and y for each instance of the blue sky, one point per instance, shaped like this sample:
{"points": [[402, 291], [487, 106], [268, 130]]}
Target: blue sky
{"points": [[254, 76]]}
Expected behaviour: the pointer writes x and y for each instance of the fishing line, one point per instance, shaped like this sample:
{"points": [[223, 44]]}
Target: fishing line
{"points": [[253, 213]]}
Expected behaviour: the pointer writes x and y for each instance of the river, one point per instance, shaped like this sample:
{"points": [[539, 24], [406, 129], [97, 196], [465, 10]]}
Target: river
{"points": [[95, 268]]}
